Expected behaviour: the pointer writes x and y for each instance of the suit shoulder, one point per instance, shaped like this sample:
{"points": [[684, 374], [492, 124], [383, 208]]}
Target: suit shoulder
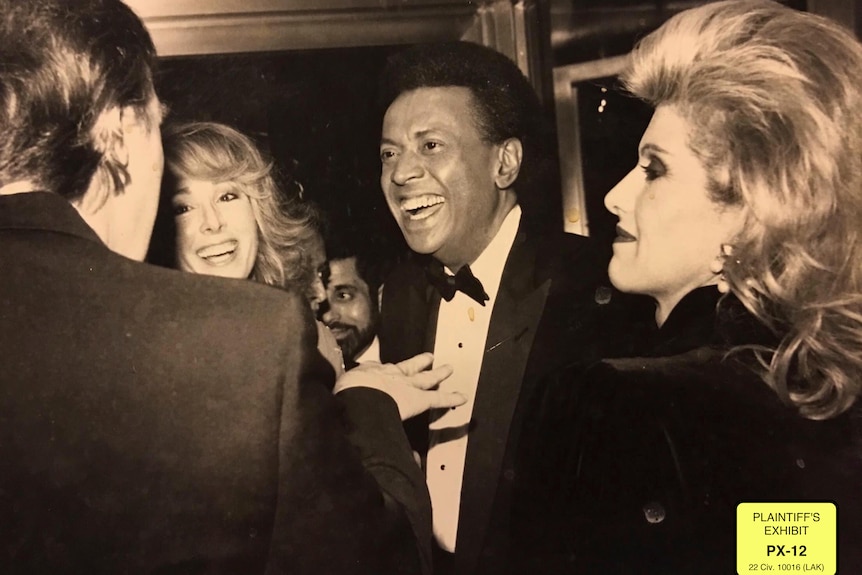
{"points": [[700, 369], [268, 316], [700, 386], [405, 272], [562, 255], [223, 293], [575, 250], [579, 276]]}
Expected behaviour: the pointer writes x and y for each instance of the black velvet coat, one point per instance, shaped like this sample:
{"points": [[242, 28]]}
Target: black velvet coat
{"points": [[637, 465]]}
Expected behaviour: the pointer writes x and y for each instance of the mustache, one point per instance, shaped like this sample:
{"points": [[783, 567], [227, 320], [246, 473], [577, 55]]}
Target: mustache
{"points": [[339, 325]]}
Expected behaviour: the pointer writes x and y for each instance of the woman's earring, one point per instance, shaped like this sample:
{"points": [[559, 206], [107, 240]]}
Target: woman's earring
{"points": [[717, 267]]}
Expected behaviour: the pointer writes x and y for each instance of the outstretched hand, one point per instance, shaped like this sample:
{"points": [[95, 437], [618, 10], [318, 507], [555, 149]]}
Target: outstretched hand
{"points": [[410, 383]]}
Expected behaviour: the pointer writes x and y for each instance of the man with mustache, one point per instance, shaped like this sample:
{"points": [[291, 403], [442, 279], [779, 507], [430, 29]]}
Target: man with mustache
{"points": [[352, 308]]}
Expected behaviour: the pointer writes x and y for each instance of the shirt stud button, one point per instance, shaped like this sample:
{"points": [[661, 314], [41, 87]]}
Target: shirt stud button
{"points": [[654, 512]]}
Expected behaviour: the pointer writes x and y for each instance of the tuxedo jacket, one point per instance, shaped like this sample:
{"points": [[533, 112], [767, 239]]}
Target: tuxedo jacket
{"points": [[637, 465], [153, 421], [548, 311]]}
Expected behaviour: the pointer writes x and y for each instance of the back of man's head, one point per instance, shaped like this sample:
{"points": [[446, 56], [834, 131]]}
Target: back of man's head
{"points": [[64, 63]]}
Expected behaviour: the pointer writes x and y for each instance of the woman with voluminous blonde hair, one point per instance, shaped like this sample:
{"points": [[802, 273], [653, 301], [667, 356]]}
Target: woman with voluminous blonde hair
{"points": [[773, 99], [742, 222], [208, 151], [230, 218]]}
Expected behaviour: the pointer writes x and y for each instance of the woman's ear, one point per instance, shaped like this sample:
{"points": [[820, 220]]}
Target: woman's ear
{"points": [[509, 156]]}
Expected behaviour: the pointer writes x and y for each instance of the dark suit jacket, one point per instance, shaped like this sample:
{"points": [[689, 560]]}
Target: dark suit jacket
{"points": [[637, 465], [153, 421], [546, 314]]}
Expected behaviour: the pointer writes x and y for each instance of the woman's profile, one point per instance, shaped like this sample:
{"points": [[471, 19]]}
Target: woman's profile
{"points": [[742, 221]]}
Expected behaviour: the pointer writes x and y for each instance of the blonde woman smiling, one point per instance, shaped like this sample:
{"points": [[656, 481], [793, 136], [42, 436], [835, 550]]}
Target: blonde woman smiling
{"points": [[230, 218]]}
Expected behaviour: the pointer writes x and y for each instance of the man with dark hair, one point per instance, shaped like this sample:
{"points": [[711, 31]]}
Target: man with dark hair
{"points": [[155, 421], [514, 296], [352, 308]]}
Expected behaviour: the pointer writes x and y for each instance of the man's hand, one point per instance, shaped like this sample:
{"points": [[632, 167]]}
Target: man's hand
{"points": [[410, 383]]}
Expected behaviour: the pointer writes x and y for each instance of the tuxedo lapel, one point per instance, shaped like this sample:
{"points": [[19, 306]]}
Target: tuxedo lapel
{"points": [[407, 328], [514, 321], [544, 313]]}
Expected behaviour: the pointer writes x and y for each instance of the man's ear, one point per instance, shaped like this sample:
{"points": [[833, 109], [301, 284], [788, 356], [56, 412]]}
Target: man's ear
{"points": [[509, 156], [109, 139], [104, 138]]}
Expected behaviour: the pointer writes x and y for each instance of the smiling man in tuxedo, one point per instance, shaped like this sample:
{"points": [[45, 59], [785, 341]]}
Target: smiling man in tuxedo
{"points": [[499, 296]]}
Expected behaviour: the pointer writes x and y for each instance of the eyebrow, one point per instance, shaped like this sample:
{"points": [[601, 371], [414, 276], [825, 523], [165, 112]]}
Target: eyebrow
{"points": [[654, 148], [418, 135]]}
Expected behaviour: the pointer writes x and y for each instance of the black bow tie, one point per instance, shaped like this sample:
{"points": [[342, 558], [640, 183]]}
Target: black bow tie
{"points": [[463, 280]]}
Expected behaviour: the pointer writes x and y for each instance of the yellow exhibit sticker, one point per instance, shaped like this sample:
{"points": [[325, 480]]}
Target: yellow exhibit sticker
{"points": [[786, 537]]}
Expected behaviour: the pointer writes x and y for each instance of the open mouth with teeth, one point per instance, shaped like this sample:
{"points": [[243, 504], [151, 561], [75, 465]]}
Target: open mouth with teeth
{"points": [[421, 207], [219, 253]]}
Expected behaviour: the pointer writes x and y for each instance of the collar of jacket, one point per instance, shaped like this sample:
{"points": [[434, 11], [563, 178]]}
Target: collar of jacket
{"points": [[706, 318], [43, 211]]}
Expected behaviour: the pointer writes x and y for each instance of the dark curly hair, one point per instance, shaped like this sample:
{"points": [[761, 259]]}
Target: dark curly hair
{"points": [[505, 103]]}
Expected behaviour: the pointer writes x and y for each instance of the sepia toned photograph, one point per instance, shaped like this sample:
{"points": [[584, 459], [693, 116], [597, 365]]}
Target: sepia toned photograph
{"points": [[432, 287]]}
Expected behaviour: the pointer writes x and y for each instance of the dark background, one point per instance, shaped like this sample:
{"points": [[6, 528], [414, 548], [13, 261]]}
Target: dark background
{"points": [[314, 112]]}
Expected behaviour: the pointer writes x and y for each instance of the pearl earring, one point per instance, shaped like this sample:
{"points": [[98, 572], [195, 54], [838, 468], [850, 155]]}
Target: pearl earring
{"points": [[717, 267]]}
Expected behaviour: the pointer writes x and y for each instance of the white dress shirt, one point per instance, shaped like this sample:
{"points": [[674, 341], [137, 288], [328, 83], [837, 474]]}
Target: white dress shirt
{"points": [[462, 328], [371, 354]]}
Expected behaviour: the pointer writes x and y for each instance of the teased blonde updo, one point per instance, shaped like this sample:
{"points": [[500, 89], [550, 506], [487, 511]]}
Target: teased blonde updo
{"points": [[775, 100]]}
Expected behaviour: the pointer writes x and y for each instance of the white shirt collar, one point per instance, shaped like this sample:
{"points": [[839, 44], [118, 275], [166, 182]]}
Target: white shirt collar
{"points": [[488, 267], [372, 353]]}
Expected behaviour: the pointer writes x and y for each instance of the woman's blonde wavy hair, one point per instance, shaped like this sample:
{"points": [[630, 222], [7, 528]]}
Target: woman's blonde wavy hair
{"points": [[218, 153], [774, 98]]}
